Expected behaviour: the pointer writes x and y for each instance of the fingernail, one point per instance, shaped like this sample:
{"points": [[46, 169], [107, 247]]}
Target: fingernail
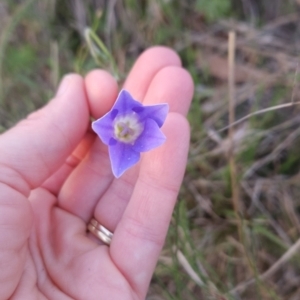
{"points": [[63, 86]]}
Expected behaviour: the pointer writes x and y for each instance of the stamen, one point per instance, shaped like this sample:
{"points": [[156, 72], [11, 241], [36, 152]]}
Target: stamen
{"points": [[127, 128]]}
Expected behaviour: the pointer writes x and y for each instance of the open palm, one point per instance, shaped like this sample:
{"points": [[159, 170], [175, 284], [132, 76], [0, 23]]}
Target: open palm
{"points": [[55, 175]]}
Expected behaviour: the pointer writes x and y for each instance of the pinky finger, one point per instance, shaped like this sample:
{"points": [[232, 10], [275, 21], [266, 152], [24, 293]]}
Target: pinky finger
{"points": [[142, 230]]}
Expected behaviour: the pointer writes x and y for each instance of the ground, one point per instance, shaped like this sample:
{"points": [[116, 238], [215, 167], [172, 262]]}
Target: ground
{"points": [[235, 230]]}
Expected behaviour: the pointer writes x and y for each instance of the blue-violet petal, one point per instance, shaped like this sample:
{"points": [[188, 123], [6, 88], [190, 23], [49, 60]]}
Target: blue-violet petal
{"points": [[150, 138], [125, 103], [122, 157], [156, 112], [104, 128]]}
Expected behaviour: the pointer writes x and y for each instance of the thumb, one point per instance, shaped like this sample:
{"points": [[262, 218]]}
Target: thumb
{"points": [[29, 153], [37, 146]]}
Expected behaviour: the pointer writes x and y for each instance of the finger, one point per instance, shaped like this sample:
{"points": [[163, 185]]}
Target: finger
{"points": [[93, 173], [36, 147], [143, 227], [102, 91], [93, 176], [54, 183], [173, 85], [148, 64]]}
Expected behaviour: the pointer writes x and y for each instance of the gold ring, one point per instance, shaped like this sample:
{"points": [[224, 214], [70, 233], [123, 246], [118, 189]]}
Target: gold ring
{"points": [[99, 231]]}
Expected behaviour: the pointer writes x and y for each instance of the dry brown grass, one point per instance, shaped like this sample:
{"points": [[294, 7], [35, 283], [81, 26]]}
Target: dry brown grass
{"points": [[235, 231]]}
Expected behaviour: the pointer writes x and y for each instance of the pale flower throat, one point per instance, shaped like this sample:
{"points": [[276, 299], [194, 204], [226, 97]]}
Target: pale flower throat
{"points": [[127, 128]]}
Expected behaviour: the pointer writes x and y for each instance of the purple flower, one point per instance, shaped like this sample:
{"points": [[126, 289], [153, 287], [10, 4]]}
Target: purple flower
{"points": [[130, 128]]}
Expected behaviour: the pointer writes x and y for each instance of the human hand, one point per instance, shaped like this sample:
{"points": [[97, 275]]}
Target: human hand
{"points": [[55, 175]]}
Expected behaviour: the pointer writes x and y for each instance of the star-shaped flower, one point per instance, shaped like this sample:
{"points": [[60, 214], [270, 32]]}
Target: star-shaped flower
{"points": [[130, 128]]}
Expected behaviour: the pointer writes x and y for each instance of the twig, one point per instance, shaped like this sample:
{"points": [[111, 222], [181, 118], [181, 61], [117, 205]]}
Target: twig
{"points": [[242, 95], [99, 52], [283, 259], [231, 87], [232, 164], [205, 204], [258, 164], [54, 50], [187, 267], [254, 195], [259, 112], [291, 209], [295, 83], [212, 289]]}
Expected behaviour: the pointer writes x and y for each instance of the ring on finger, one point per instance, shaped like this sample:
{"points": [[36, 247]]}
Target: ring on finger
{"points": [[99, 231]]}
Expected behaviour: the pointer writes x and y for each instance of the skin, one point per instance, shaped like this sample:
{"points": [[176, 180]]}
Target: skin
{"points": [[55, 176]]}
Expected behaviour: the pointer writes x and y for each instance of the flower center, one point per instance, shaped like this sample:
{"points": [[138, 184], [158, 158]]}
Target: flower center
{"points": [[127, 128]]}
